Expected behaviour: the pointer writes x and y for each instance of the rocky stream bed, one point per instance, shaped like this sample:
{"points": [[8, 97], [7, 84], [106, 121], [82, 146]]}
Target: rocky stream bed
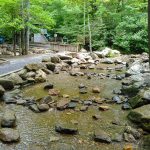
{"points": [[77, 101]]}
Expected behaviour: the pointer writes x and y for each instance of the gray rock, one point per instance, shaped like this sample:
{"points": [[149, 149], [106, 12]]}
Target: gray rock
{"points": [[126, 106], [55, 59], [66, 129], [117, 99], [15, 78], [62, 104], [117, 138], [129, 138], [71, 105], [6, 84], [43, 107], [87, 102], [48, 86], [33, 66], [141, 116], [50, 66], [46, 100], [101, 136], [9, 135], [146, 95], [8, 119], [2, 91], [83, 90], [34, 108], [84, 108]]}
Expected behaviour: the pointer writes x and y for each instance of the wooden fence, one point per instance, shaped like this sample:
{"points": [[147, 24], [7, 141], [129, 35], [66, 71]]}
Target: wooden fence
{"points": [[64, 47]]}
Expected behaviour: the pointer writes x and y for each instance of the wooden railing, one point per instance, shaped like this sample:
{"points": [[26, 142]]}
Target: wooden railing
{"points": [[64, 47]]}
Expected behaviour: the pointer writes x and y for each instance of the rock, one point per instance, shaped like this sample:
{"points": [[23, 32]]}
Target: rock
{"points": [[116, 91], [87, 102], [96, 90], [82, 86], [108, 61], [65, 96], [117, 138], [83, 90], [34, 108], [40, 76], [101, 136], [30, 74], [33, 67], [21, 102], [129, 138], [103, 107], [62, 104], [64, 56], [146, 95], [133, 131], [137, 101], [46, 100], [94, 56], [48, 86], [30, 80], [117, 99], [71, 105], [92, 66], [43, 107], [54, 92], [46, 59], [126, 106], [55, 59], [141, 116], [22, 73], [96, 117], [15, 78], [134, 69], [9, 135], [146, 142], [6, 84], [83, 67], [84, 108], [8, 119], [50, 66], [54, 139], [66, 130], [2, 91]]}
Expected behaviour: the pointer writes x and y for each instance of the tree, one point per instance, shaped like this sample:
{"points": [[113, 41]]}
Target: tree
{"points": [[149, 30]]}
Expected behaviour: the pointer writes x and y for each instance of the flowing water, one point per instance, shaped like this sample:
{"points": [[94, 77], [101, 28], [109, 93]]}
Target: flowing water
{"points": [[39, 128]]}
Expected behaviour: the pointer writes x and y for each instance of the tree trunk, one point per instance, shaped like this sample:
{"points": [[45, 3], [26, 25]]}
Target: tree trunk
{"points": [[90, 36], [27, 30], [20, 46], [84, 21], [149, 30], [14, 43], [23, 42]]}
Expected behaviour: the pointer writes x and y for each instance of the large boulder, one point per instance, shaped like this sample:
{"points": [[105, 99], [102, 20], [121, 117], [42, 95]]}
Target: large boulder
{"points": [[50, 66], [62, 104], [135, 69], [33, 67], [64, 56], [6, 84], [55, 59], [101, 136], [40, 76], [142, 98], [2, 91], [9, 135], [15, 78], [8, 119], [141, 116]]}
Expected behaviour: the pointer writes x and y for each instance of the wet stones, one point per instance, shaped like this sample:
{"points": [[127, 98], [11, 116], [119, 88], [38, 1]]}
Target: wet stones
{"points": [[96, 90], [101, 136], [43, 107], [62, 104], [83, 90], [71, 105], [66, 130], [117, 99], [50, 66], [54, 92], [2, 91], [34, 108], [8, 119], [9, 135], [46, 100], [33, 67], [48, 86], [103, 107], [15, 78], [6, 84]]}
